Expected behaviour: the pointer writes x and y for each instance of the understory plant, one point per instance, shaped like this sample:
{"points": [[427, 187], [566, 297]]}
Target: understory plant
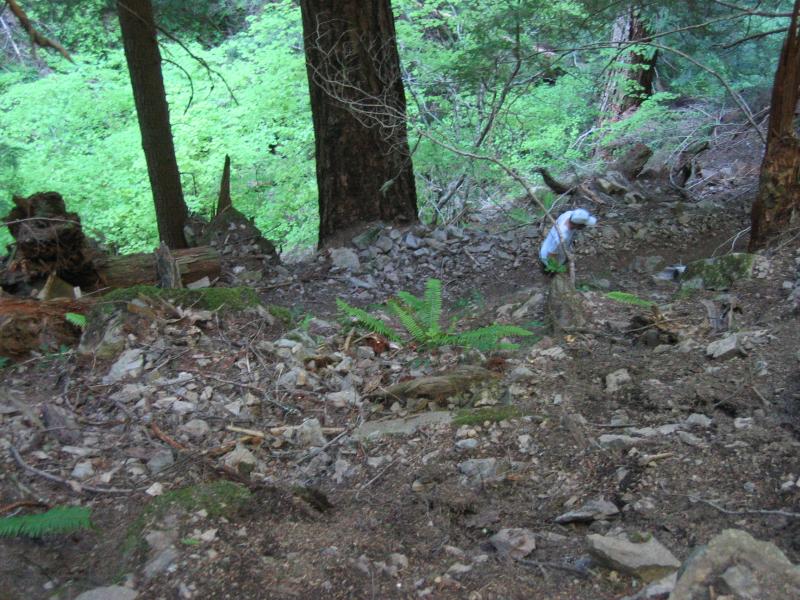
{"points": [[628, 298], [57, 520], [420, 319]]}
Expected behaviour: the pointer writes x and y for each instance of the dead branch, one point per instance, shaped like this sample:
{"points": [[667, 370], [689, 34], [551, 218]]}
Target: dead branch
{"points": [[714, 505], [37, 39], [73, 485]]}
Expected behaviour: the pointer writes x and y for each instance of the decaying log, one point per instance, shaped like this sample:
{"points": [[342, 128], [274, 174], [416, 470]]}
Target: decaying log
{"points": [[140, 269], [167, 270], [48, 240], [27, 324], [438, 387]]}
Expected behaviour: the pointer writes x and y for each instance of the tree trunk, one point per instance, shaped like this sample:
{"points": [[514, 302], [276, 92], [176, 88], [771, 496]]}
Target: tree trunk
{"points": [[631, 82], [358, 105], [144, 64], [777, 206]]}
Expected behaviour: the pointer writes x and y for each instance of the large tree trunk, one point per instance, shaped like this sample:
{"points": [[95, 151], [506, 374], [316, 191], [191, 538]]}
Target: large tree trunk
{"points": [[777, 206], [631, 81], [364, 168], [144, 64]]}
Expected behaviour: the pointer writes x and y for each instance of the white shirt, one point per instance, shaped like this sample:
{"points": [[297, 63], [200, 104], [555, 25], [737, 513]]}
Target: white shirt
{"points": [[552, 243]]}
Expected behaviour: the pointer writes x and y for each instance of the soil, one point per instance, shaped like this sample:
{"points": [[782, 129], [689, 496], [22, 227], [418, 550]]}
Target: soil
{"points": [[417, 502]]}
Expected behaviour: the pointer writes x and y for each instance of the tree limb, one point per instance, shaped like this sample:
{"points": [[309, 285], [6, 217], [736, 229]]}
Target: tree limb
{"points": [[37, 39]]}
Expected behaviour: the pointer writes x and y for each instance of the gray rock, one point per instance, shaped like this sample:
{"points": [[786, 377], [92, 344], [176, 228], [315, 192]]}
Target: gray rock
{"points": [[484, 468], [698, 420], [195, 428], [727, 347], [129, 364], [160, 461], [309, 433], [83, 470], [403, 426], [467, 444], [618, 441], [111, 592], [616, 380], [411, 241], [721, 272], [384, 243], [241, 460], [648, 560], [162, 561], [514, 543], [594, 510], [737, 564], [345, 258]]}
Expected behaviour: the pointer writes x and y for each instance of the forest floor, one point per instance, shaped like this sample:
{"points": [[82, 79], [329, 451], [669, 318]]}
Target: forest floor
{"points": [[375, 500]]}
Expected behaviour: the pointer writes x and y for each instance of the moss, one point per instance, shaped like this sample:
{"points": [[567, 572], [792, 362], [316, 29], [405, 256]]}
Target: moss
{"points": [[233, 298], [493, 414], [719, 273], [218, 499], [281, 313]]}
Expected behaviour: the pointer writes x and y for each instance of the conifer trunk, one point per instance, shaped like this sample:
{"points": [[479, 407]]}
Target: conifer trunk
{"points": [[144, 64], [777, 206], [364, 170]]}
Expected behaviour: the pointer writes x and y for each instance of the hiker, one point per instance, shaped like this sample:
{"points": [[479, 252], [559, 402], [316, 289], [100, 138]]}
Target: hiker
{"points": [[568, 223]]}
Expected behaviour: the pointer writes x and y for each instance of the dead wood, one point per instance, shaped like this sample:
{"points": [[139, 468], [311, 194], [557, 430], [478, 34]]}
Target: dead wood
{"points": [[140, 269], [28, 324], [438, 387], [224, 199], [169, 274], [37, 39]]}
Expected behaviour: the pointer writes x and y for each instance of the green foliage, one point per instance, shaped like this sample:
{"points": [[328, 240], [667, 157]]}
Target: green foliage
{"points": [[627, 298], [553, 266], [76, 319], [57, 520], [4, 362], [420, 318]]}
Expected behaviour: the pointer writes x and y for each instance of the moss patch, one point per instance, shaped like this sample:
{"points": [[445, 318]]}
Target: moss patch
{"points": [[493, 414], [719, 273], [233, 298], [218, 499]]}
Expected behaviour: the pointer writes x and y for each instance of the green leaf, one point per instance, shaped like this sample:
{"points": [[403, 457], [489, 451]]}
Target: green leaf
{"points": [[58, 520], [76, 319], [627, 298]]}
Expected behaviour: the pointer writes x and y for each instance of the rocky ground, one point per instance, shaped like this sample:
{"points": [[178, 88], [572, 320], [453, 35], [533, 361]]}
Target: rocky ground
{"points": [[256, 453]]}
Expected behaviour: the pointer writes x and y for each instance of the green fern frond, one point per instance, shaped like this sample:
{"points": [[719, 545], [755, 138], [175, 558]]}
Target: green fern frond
{"points": [[367, 320], [58, 520], [408, 321], [76, 319], [433, 306], [629, 299], [414, 303]]}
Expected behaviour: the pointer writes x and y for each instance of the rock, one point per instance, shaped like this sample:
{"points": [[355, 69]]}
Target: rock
{"points": [[160, 461], [195, 428], [698, 420], [458, 568], [103, 338], [111, 592], [737, 564], [400, 561], [344, 398], [594, 510], [484, 468], [384, 243], [611, 440], [743, 423], [467, 444], [83, 470], [241, 459], [411, 241], [648, 560], [616, 380], [721, 272], [514, 543], [404, 426], [727, 347], [345, 258], [129, 364], [162, 561], [309, 433]]}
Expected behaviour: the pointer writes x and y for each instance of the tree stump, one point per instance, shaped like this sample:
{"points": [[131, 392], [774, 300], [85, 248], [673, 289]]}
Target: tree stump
{"points": [[565, 307]]}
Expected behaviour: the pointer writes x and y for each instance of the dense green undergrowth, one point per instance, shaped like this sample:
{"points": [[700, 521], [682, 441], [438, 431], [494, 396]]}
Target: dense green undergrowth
{"points": [[74, 129]]}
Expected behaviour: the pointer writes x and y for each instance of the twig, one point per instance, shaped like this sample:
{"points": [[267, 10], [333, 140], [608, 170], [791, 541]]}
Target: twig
{"points": [[20, 504], [374, 479], [781, 513], [73, 485], [165, 438]]}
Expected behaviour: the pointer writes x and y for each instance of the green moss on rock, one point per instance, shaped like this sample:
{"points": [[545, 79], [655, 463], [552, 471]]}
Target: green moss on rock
{"points": [[719, 273], [493, 414]]}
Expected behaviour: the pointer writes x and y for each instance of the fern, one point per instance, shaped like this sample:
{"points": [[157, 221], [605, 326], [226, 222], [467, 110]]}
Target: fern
{"points": [[421, 319], [76, 319], [365, 319], [629, 299], [58, 520]]}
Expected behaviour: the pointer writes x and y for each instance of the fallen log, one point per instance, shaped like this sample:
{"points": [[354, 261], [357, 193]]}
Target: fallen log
{"points": [[141, 269]]}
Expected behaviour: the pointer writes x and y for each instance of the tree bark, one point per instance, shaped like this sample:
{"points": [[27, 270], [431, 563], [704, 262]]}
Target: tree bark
{"points": [[631, 82], [777, 206], [364, 170], [144, 64]]}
